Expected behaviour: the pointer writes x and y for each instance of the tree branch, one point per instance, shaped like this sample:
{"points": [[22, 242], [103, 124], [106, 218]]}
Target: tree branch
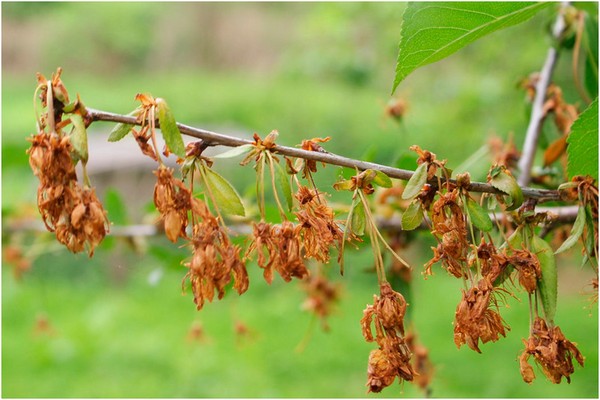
{"points": [[213, 139], [537, 111]]}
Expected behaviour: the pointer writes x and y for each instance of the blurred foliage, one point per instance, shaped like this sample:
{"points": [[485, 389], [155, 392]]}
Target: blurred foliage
{"points": [[308, 70]]}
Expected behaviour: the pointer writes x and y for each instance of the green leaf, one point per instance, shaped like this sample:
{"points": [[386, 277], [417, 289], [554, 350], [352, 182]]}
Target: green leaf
{"points": [[412, 216], [432, 31], [223, 194], [236, 151], [479, 217], [548, 283], [121, 130], [382, 179], [582, 150], [505, 182], [169, 129], [576, 231], [284, 185], [415, 183], [78, 138], [359, 220]]}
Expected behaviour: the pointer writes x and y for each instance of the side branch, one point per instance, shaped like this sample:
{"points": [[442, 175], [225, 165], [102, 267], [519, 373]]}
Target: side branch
{"points": [[538, 114], [218, 139]]}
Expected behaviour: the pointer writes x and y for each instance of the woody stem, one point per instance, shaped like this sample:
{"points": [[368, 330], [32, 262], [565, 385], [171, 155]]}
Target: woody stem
{"points": [[218, 139]]}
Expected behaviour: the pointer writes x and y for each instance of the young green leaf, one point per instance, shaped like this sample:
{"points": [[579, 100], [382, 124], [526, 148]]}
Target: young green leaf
{"points": [[78, 138], [236, 151], [415, 183], [382, 180], [548, 283], [412, 216], [169, 128], [284, 184], [225, 196], [359, 220], [576, 231], [479, 217], [121, 130], [431, 31], [505, 182], [582, 152]]}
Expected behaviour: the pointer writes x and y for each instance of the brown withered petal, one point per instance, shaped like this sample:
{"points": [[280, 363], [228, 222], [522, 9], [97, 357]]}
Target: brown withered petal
{"points": [[528, 267], [526, 369], [391, 308], [234, 263], [380, 372], [366, 320]]}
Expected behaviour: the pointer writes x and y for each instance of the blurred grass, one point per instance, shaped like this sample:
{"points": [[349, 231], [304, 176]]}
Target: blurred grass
{"points": [[118, 335]]}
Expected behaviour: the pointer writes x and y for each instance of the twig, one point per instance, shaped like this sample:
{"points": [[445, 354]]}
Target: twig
{"points": [[563, 215], [213, 138], [537, 111]]}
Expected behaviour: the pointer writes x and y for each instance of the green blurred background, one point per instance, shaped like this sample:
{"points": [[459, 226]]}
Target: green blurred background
{"points": [[117, 325]]}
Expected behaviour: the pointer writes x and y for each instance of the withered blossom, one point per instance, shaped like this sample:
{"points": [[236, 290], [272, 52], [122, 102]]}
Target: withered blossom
{"points": [[392, 359], [475, 319], [312, 145], [318, 228], [73, 213], [215, 261], [551, 350], [448, 222], [321, 296], [421, 363], [281, 243], [173, 200], [425, 156]]}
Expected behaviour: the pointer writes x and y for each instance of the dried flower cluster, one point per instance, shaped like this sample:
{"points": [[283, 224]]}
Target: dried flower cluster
{"points": [[71, 211], [475, 319], [318, 228], [551, 351], [392, 359], [215, 260], [283, 247], [449, 227]]}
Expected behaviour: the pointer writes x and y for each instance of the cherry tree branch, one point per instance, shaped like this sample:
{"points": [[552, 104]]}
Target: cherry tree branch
{"points": [[219, 139], [537, 111]]}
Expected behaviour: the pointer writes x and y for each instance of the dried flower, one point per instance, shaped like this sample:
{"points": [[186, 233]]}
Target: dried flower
{"points": [[475, 320], [318, 228], [312, 145], [322, 295], [173, 200], [551, 350], [214, 261], [74, 214], [282, 245], [449, 222], [392, 359]]}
